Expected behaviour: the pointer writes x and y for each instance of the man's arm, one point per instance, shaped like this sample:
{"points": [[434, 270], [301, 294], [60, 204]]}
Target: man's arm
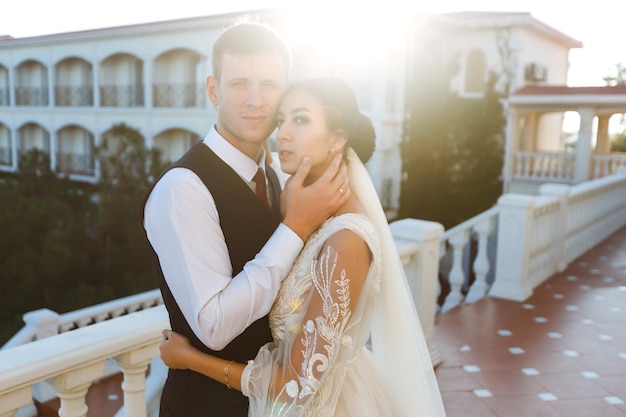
{"points": [[182, 224]]}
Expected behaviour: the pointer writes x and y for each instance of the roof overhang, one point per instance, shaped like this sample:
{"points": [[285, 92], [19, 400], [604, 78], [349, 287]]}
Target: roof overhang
{"points": [[609, 99]]}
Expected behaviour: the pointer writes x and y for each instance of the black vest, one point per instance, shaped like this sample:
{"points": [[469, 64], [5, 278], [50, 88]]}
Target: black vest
{"points": [[247, 226]]}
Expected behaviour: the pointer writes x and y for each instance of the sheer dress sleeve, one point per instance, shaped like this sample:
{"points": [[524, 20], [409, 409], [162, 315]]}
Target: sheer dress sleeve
{"points": [[302, 373]]}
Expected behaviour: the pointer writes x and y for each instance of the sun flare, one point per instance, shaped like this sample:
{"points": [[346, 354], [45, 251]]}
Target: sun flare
{"points": [[362, 35]]}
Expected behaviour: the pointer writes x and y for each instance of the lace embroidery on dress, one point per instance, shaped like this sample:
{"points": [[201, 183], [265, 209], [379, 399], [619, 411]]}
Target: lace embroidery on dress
{"points": [[313, 312]]}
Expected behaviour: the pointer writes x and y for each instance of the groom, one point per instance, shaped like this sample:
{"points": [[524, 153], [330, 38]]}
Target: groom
{"points": [[220, 252]]}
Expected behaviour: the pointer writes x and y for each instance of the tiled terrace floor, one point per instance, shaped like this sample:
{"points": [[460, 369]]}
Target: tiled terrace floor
{"points": [[560, 353]]}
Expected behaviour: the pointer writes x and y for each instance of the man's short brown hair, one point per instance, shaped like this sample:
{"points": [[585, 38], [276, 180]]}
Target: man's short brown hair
{"points": [[248, 37]]}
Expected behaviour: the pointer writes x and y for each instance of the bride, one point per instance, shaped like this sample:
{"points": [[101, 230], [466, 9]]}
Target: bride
{"points": [[346, 337]]}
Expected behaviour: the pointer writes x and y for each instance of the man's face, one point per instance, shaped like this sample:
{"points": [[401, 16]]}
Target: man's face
{"points": [[247, 97]]}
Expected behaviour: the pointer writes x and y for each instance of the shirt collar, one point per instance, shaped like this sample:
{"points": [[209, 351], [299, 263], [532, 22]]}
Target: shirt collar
{"points": [[245, 167]]}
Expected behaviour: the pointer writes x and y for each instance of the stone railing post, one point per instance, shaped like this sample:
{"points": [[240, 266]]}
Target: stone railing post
{"points": [[561, 192], [44, 321], [422, 271], [514, 231]]}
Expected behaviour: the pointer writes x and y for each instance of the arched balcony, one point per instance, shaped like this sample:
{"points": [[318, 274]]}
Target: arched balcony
{"points": [[5, 96], [177, 76], [121, 81], [173, 143], [33, 136], [73, 83], [31, 84], [75, 151]]}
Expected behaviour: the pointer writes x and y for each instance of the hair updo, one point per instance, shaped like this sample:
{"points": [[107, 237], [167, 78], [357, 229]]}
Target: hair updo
{"points": [[342, 112]]}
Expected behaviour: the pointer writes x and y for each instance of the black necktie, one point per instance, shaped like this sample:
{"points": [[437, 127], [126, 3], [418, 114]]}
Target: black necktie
{"points": [[261, 188]]}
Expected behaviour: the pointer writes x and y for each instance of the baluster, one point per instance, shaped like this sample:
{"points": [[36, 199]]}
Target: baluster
{"points": [[72, 388], [134, 365], [481, 263], [527, 168], [457, 276]]}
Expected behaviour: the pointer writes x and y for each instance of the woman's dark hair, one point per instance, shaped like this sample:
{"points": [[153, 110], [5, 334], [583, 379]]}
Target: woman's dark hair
{"points": [[342, 112]]}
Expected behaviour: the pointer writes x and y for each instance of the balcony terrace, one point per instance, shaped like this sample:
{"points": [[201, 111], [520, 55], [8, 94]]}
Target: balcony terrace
{"points": [[560, 353], [534, 327]]}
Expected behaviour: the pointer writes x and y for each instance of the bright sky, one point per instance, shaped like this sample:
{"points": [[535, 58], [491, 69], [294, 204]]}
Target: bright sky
{"points": [[598, 23]]}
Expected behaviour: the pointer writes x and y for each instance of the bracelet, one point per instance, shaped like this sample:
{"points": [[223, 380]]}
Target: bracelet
{"points": [[226, 374]]}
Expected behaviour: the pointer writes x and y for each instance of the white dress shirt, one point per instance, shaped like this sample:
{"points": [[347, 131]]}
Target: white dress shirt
{"points": [[182, 224]]}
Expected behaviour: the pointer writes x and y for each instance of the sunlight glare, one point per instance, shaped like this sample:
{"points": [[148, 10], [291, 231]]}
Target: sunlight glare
{"points": [[351, 34]]}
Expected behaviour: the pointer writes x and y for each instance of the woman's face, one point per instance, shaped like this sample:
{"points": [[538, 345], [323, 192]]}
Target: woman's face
{"points": [[302, 131]]}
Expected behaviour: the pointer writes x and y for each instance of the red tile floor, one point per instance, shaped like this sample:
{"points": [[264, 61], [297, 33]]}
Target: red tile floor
{"points": [[560, 353]]}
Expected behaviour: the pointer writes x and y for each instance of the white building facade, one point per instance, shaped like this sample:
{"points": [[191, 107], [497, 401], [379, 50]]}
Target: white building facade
{"points": [[62, 93]]}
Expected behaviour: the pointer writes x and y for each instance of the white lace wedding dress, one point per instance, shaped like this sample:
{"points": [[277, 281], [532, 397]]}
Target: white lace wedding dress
{"points": [[318, 364]]}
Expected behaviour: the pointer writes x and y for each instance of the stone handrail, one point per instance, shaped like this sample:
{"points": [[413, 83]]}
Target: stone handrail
{"points": [[71, 361], [44, 322], [539, 236]]}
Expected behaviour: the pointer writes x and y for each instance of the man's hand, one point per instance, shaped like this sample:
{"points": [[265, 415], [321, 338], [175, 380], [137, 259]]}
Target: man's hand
{"points": [[305, 208]]}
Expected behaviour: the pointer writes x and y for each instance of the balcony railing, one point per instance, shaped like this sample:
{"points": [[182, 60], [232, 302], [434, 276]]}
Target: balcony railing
{"points": [[604, 165], [179, 95], [76, 163], [121, 95], [73, 96], [31, 96], [547, 166], [560, 167]]}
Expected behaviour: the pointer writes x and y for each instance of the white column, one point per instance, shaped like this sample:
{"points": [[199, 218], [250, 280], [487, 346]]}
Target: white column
{"points": [[50, 76], [422, 271], [603, 144], [147, 82], [96, 85], [531, 130], [583, 147], [510, 146], [513, 254]]}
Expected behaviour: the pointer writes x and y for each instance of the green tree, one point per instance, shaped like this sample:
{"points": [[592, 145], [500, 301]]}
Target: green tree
{"points": [[452, 149], [44, 226], [127, 169], [68, 245]]}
